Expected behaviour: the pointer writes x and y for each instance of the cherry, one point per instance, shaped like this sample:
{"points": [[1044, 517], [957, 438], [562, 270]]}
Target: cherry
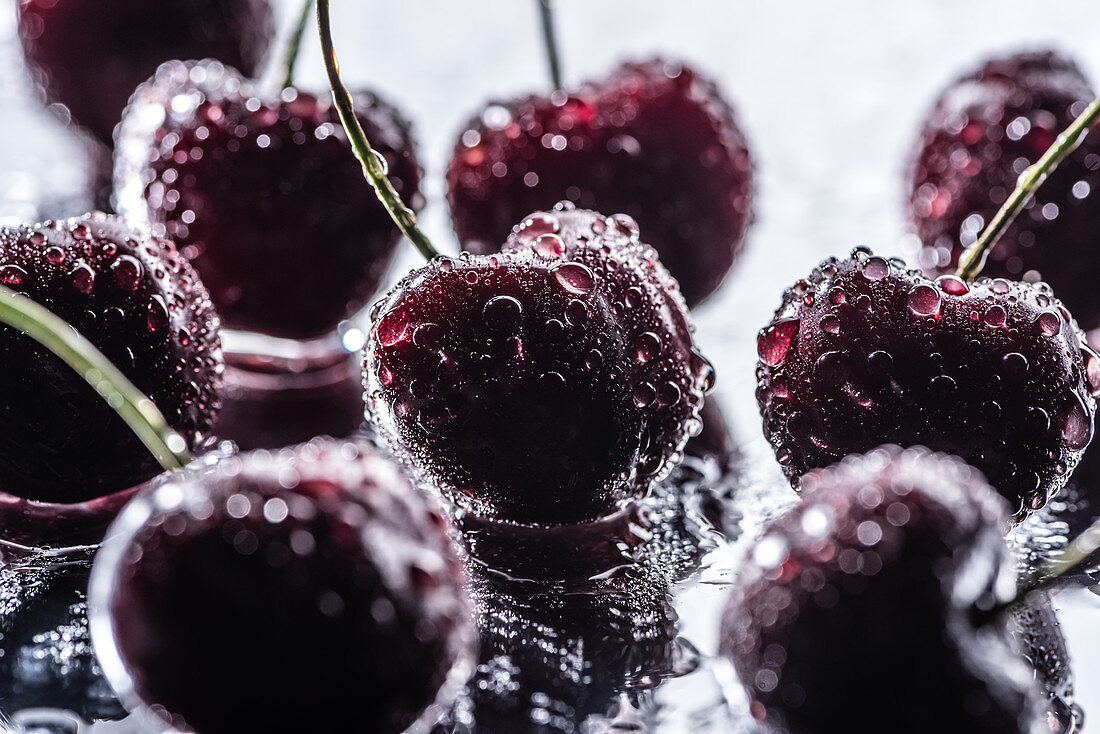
{"points": [[865, 351], [89, 55], [335, 584], [857, 607], [140, 304], [984, 130], [655, 140], [262, 195], [548, 384]]}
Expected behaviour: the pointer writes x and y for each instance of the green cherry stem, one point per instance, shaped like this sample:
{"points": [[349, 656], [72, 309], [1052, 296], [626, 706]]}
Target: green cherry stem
{"points": [[546, 13], [972, 260], [374, 165], [139, 412], [295, 46]]}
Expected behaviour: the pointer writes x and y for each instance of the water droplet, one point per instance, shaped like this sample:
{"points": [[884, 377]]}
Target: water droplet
{"points": [[831, 324], [549, 245], [471, 277], [644, 394], [953, 285], [537, 225], [12, 275], [837, 296], [37, 239], [703, 369], [1037, 419], [647, 346], [574, 277], [669, 394], [876, 268], [156, 317], [831, 368], [775, 341], [594, 360], [80, 231], [995, 316], [576, 312], [502, 314], [1077, 427], [385, 375], [999, 285], [879, 363], [391, 329], [1050, 323], [924, 300], [428, 336], [55, 255], [942, 387], [1092, 369], [625, 225], [184, 337], [83, 278], [1014, 365], [127, 271]]}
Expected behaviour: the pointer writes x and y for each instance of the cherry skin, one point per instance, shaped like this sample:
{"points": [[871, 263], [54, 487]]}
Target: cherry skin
{"points": [[337, 587], [140, 303], [655, 140], [865, 351], [89, 55], [263, 195], [984, 130], [857, 607], [549, 384]]}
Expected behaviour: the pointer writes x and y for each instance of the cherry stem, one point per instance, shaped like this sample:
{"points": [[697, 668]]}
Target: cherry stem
{"points": [[374, 165], [551, 42], [140, 413], [295, 46], [973, 258]]}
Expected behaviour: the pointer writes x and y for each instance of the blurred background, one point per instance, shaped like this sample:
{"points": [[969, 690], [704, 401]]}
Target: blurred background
{"points": [[830, 96]]}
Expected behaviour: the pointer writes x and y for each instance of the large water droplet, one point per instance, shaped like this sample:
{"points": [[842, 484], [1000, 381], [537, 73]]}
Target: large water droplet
{"points": [[156, 317], [537, 225], [429, 337], [876, 268], [774, 342], [393, 327], [644, 394], [995, 316], [127, 271], [502, 314], [83, 278], [55, 255], [830, 324], [953, 285], [12, 276], [549, 245], [924, 300], [1092, 369], [1077, 427], [574, 277], [647, 346], [1014, 366], [1050, 323]]}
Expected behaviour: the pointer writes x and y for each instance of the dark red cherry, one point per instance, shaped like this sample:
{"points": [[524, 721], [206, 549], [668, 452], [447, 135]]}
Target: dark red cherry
{"points": [[140, 303], [856, 609], [263, 194], [331, 584], [655, 140], [984, 130], [547, 384], [89, 55], [865, 352]]}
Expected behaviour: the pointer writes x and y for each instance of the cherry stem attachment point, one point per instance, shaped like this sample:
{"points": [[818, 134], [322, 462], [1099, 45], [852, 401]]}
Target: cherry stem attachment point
{"points": [[374, 165], [295, 46], [140, 413], [550, 40], [973, 258]]}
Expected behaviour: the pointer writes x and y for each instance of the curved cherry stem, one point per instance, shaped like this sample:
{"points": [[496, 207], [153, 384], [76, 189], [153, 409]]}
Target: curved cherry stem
{"points": [[20, 312], [374, 165], [295, 46], [973, 258], [546, 13]]}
